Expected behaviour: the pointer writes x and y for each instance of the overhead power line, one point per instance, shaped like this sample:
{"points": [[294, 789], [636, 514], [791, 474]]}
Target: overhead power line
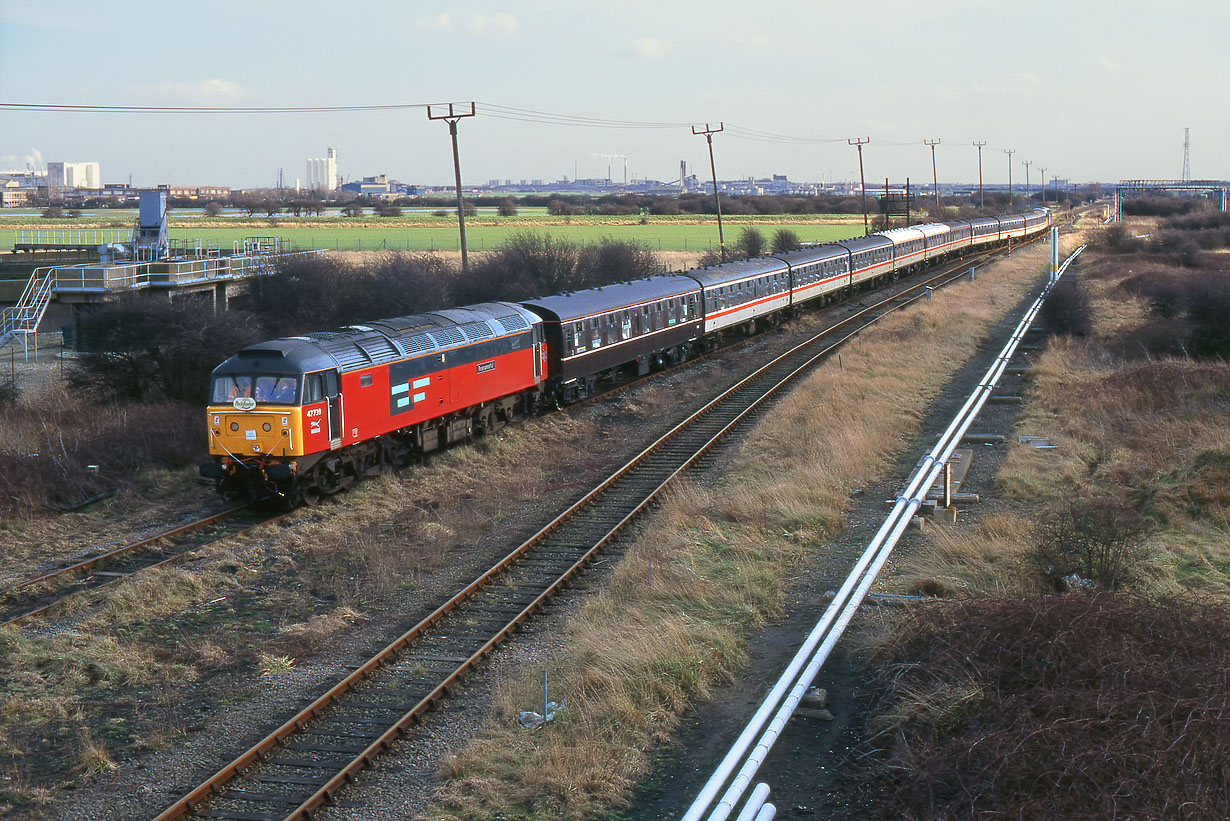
{"points": [[185, 109]]}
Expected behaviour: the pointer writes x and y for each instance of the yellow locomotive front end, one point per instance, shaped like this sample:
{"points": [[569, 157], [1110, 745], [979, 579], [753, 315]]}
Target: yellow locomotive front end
{"points": [[255, 433]]}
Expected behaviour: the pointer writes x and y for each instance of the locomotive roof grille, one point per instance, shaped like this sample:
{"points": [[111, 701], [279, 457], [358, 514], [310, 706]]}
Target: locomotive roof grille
{"points": [[513, 322], [477, 330], [411, 345], [447, 337]]}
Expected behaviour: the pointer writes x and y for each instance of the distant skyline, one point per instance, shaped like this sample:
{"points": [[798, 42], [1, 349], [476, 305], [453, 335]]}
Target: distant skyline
{"points": [[1088, 91]]}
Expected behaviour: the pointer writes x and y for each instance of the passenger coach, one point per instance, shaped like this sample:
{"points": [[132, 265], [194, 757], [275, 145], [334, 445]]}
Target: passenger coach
{"points": [[631, 326]]}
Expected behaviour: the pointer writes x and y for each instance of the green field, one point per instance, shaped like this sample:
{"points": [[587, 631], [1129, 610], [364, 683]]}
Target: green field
{"points": [[657, 237], [427, 233]]}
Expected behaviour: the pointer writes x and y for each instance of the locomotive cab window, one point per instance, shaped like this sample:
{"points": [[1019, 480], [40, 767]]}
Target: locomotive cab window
{"points": [[281, 390]]}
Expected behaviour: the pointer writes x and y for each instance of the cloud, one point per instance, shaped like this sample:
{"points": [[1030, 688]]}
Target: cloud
{"points": [[651, 48], [1020, 84], [491, 25], [1107, 64], [494, 24], [206, 92], [438, 22]]}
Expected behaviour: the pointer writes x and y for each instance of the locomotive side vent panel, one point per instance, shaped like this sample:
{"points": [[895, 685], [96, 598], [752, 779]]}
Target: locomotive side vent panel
{"points": [[513, 322], [447, 337], [475, 331], [412, 345]]}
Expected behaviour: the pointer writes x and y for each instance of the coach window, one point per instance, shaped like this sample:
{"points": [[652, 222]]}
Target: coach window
{"points": [[625, 330]]}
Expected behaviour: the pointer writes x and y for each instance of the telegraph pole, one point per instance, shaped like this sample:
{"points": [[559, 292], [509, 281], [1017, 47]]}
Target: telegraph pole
{"points": [[934, 178], [1042, 176], [1026, 163], [1009, 152], [451, 118], [717, 204], [860, 142], [979, 146]]}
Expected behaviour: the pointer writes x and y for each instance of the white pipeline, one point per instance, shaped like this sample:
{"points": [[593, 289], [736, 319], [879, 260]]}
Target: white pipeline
{"points": [[780, 703]]}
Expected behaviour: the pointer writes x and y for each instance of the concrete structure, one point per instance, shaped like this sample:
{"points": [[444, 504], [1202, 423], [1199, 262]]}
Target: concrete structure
{"points": [[322, 172], [74, 175]]}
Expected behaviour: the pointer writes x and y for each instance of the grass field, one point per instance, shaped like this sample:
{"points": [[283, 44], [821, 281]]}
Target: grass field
{"points": [[423, 232]]}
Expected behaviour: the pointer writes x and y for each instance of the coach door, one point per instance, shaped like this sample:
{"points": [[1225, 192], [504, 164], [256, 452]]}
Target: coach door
{"points": [[333, 396]]}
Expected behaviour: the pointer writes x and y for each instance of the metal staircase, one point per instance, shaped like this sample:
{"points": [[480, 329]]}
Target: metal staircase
{"points": [[22, 319]]}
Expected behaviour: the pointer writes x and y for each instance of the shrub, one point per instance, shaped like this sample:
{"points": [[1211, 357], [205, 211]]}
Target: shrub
{"points": [[9, 392], [784, 240], [1208, 307], [507, 207], [529, 265], [1067, 309], [1084, 541], [1073, 706], [751, 242], [149, 348], [322, 293], [49, 441]]}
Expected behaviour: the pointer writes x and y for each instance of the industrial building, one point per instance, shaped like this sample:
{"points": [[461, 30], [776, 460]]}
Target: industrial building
{"points": [[74, 175], [322, 172]]}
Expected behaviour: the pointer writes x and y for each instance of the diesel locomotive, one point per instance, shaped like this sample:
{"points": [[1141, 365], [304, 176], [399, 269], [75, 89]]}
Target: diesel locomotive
{"points": [[305, 416]]}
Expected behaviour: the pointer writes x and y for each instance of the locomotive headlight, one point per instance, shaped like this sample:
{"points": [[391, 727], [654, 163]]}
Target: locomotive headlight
{"points": [[266, 427], [217, 432], [235, 427]]}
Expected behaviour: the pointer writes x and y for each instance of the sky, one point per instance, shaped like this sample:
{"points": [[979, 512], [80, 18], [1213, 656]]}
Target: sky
{"points": [[1089, 91]]}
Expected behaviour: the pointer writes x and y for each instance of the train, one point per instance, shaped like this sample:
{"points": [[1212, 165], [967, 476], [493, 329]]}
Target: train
{"points": [[303, 417]]}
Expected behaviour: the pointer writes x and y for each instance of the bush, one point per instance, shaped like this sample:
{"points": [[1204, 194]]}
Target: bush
{"points": [[751, 243], [1090, 541], [9, 392], [1067, 309], [52, 212], [387, 209], [49, 442], [149, 348], [1073, 706], [507, 207], [322, 293], [530, 265], [785, 240], [1208, 307]]}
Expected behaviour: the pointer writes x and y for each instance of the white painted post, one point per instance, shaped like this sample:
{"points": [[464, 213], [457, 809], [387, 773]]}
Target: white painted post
{"points": [[1054, 253]]}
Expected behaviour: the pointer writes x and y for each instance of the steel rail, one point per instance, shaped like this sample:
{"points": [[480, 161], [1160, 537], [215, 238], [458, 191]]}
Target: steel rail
{"points": [[89, 564], [261, 751]]}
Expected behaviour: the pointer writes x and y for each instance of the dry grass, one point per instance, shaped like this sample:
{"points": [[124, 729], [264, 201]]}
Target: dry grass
{"points": [[49, 440], [636, 656]]}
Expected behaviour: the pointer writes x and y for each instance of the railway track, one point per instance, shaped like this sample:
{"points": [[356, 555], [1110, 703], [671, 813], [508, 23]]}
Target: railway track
{"points": [[304, 763], [36, 596]]}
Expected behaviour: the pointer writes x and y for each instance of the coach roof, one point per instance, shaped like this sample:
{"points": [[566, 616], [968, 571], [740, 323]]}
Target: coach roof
{"points": [[579, 304]]}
